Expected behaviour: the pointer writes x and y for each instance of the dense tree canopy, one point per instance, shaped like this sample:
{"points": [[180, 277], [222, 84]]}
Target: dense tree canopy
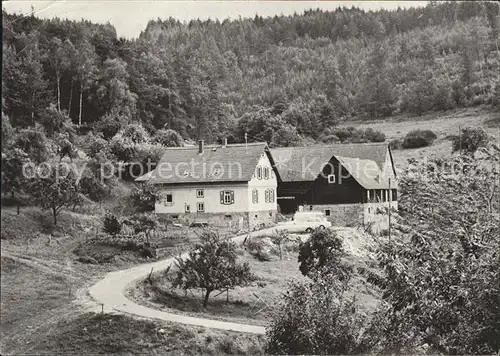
{"points": [[302, 73]]}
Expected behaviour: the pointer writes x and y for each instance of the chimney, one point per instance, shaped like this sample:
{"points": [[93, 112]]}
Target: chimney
{"points": [[200, 146], [224, 143]]}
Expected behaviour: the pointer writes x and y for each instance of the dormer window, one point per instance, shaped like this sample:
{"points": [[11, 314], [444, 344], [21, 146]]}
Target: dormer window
{"points": [[331, 178]]}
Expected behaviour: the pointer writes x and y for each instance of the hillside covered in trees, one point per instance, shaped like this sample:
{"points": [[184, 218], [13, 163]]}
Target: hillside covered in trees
{"points": [[285, 79]]}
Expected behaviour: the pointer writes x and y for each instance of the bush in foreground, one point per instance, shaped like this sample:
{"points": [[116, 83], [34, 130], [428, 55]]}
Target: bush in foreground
{"points": [[316, 318]]}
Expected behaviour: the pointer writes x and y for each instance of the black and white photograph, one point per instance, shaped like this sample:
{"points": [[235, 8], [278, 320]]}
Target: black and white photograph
{"points": [[184, 177]]}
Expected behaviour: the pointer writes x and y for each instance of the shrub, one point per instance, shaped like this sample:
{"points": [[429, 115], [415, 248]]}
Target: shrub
{"points": [[396, 144], [94, 144], [353, 135], [135, 133], [143, 197], [93, 188], [34, 143], [109, 125], [470, 140], [112, 226], [328, 139], [324, 248], [374, 136], [144, 224], [316, 318], [168, 138], [419, 138], [256, 249], [124, 150]]}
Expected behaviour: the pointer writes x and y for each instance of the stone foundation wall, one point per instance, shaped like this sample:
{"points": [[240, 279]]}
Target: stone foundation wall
{"points": [[261, 219], [356, 215], [340, 214], [240, 221]]}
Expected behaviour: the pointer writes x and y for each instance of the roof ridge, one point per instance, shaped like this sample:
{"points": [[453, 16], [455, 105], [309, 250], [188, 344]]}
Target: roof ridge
{"points": [[333, 145], [216, 145]]}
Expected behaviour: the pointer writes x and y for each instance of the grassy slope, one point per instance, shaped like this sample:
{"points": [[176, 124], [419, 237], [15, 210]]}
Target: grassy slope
{"points": [[43, 304], [91, 333], [443, 124]]}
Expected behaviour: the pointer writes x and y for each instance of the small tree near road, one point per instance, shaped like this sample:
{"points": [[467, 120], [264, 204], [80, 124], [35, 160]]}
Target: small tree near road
{"points": [[55, 188], [145, 223], [279, 238], [211, 265]]}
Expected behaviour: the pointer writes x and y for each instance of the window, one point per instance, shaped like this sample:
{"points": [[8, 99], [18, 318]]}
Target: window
{"points": [[331, 178], [228, 217], [255, 196], [310, 207], [271, 195], [187, 208], [267, 196], [201, 206], [227, 197], [259, 172], [169, 199], [266, 173], [327, 212], [200, 193]]}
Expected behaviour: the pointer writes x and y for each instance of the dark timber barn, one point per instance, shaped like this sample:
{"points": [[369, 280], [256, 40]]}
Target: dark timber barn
{"points": [[350, 183]]}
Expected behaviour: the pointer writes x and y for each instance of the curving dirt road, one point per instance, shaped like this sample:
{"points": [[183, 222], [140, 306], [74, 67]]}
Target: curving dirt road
{"points": [[109, 293]]}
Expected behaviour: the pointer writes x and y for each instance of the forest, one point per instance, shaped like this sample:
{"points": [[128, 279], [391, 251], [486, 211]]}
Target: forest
{"points": [[287, 79]]}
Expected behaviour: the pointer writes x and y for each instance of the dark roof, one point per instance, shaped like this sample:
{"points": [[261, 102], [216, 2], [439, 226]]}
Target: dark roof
{"points": [[306, 163], [231, 163]]}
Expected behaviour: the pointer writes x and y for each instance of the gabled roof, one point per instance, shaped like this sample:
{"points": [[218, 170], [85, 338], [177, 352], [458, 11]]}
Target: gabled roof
{"points": [[366, 173], [296, 164], [217, 164]]}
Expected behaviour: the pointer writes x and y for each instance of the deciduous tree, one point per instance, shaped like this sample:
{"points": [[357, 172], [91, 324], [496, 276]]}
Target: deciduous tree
{"points": [[211, 265], [54, 188]]}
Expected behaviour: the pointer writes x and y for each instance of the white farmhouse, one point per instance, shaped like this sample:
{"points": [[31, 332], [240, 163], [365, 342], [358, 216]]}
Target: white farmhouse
{"points": [[219, 184]]}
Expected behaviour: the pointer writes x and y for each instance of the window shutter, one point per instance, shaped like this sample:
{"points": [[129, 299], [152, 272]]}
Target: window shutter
{"points": [[232, 197], [222, 197], [267, 196]]}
